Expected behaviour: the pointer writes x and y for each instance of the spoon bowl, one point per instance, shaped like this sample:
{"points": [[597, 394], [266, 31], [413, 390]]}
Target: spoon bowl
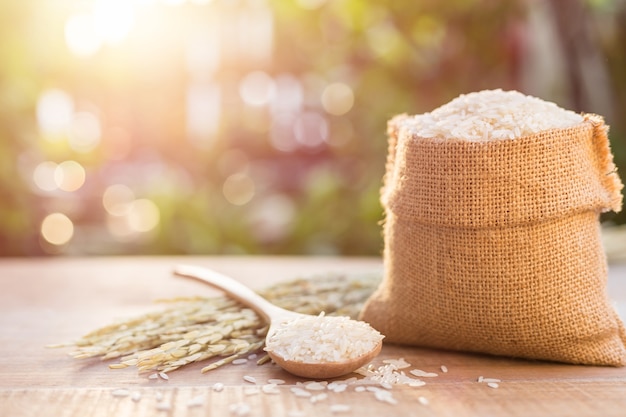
{"points": [[278, 318]]}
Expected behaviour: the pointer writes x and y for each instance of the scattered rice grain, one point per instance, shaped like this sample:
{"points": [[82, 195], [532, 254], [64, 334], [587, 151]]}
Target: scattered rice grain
{"points": [[423, 374], [240, 361], [240, 409], [270, 389], [340, 408], [218, 387], [164, 376], [136, 396], [251, 390], [444, 369], [316, 386], [385, 396], [250, 379], [196, 401], [398, 363], [120, 392], [276, 381], [493, 384], [319, 397], [299, 392], [423, 400], [164, 406]]}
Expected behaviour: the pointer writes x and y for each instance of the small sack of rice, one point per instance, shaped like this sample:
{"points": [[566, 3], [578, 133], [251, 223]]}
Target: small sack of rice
{"points": [[492, 234]]}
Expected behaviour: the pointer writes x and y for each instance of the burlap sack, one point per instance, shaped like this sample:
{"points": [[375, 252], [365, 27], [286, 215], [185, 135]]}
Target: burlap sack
{"points": [[495, 247]]}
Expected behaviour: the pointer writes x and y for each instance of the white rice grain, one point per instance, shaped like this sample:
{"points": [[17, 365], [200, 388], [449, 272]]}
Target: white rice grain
{"points": [[422, 374], [196, 401], [398, 363], [120, 392], [240, 409], [164, 406], [319, 397], [322, 338], [270, 389], [491, 115], [385, 396], [249, 379], [340, 408], [316, 386], [299, 392]]}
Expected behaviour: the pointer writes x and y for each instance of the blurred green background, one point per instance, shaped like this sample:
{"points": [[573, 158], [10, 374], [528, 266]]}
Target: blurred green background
{"points": [[258, 126]]}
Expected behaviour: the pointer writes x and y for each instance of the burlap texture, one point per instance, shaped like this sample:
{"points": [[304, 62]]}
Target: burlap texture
{"points": [[495, 247]]}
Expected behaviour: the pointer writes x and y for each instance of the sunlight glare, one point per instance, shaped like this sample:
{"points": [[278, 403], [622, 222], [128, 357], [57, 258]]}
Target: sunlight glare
{"points": [[113, 20], [81, 35]]}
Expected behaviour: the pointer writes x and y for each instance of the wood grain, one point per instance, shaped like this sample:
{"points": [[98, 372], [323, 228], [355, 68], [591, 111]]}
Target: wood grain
{"points": [[44, 301]]}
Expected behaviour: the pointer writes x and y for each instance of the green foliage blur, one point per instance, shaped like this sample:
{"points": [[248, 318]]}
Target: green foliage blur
{"points": [[267, 178]]}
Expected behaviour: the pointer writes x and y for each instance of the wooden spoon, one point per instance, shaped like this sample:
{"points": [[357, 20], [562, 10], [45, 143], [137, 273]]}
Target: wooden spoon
{"points": [[277, 317]]}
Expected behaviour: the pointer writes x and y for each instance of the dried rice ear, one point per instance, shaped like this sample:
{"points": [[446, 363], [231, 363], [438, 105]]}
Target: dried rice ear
{"points": [[494, 246]]}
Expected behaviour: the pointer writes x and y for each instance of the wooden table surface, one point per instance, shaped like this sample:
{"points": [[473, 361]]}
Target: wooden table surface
{"points": [[52, 300]]}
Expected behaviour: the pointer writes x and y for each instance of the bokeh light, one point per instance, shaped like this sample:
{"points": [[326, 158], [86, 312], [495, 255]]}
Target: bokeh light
{"points": [[57, 229], [84, 132], [117, 199], [44, 176], [55, 110], [338, 99], [238, 189], [197, 126], [257, 88], [311, 129], [69, 176], [143, 215], [273, 217]]}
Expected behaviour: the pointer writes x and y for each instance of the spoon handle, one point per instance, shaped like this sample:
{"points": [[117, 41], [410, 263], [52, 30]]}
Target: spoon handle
{"points": [[235, 289]]}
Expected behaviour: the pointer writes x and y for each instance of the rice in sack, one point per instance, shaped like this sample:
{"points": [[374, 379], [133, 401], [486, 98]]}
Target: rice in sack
{"points": [[492, 234]]}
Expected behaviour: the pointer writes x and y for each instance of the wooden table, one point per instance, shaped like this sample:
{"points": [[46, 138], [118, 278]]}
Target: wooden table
{"points": [[44, 301]]}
